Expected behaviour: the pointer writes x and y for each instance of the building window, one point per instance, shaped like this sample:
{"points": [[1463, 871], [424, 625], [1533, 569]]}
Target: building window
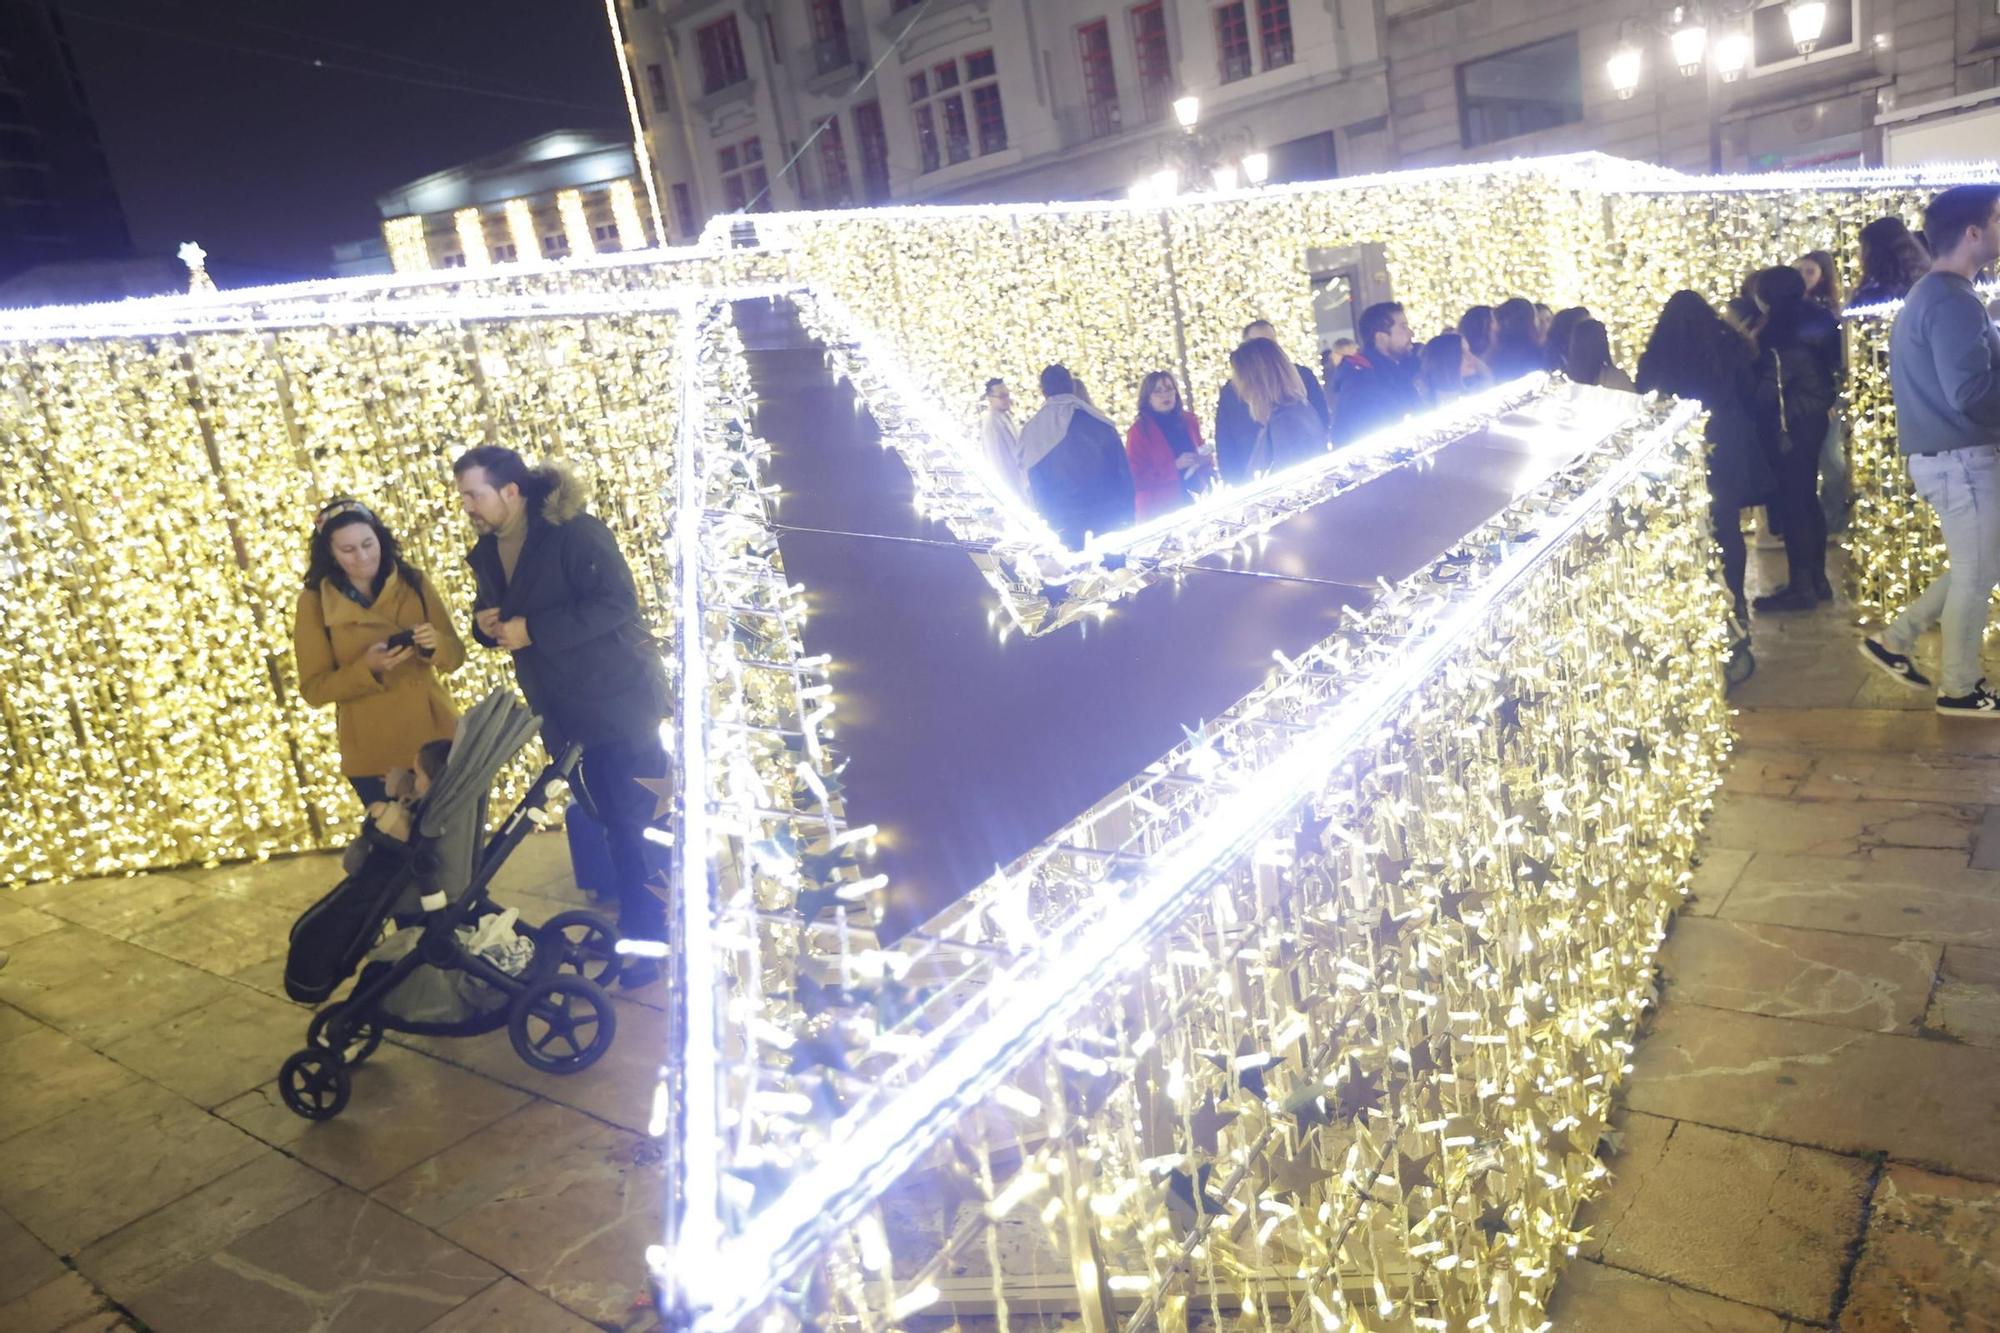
{"points": [[606, 232], [1771, 45], [743, 178], [1529, 88], [940, 96], [1232, 42], [505, 254], [872, 138], [683, 209], [833, 178], [829, 30], [656, 84], [1274, 32], [991, 120], [452, 261], [1100, 81], [721, 48], [555, 245], [1156, 65]]}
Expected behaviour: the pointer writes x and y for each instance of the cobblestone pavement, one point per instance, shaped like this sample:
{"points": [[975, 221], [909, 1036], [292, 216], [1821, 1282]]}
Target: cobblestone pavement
{"points": [[151, 1179], [1812, 1129], [1811, 1139]]}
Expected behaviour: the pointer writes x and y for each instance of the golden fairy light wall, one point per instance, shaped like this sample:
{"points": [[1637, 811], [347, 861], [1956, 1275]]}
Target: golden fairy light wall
{"points": [[1114, 291], [155, 501], [1358, 1081]]}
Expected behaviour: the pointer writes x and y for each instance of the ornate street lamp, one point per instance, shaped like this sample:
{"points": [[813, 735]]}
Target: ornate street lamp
{"points": [[1197, 161], [1807, 20]]}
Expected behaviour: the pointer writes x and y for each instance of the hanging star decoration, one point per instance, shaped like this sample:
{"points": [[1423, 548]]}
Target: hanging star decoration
{"points": [[1358, 1093], [663, 796], [1206, 1125], [1492, 1223]]}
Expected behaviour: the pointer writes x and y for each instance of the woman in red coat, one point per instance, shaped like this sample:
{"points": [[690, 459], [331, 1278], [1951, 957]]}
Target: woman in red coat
{"points": [[1169, 465]]}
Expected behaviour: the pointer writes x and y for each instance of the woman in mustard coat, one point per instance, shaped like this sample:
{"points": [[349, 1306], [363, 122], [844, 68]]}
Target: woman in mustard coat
{"points": [[372, 639]]}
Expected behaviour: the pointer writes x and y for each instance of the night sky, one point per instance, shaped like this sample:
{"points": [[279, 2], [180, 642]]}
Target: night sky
{"points": [[220, 129]]}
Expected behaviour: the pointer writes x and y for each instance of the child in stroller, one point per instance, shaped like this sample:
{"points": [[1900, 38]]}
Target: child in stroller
{"points": [[442, 958]]}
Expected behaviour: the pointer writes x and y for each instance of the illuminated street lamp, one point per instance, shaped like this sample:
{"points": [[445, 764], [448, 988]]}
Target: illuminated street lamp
{"points": [[1627, 63], [1732, 56], [1257, 167], [1187, 110], [1807, 20], [1689, 40], [1198, 161]]}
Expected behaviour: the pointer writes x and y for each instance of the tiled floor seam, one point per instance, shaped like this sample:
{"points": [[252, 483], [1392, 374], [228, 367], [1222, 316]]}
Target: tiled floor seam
{"points": [[1702, 1291], [1917, 1034], [1844, 1287], [1863, 1155]]}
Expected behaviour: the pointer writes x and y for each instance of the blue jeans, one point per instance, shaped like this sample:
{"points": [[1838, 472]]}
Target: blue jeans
{"points": [[1963, 486]]}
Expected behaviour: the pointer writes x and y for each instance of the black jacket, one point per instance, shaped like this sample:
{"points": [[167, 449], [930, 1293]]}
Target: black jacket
{"points": [[1368, 397], [1795, 373], [593, 672], [1084, 484], [1740, 472], [1236, 431]]}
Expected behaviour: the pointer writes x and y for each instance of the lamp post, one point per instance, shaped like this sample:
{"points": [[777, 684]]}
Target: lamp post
{"points": [[1719, 52], [1696, 45], [1194, 161]]}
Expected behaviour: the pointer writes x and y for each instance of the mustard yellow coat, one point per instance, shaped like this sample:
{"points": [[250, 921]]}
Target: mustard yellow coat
{"points": [[381, 722]]}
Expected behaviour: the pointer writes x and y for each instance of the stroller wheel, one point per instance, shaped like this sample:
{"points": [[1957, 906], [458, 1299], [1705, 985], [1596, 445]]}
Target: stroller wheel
{"points": [[563, 1025], [592, 945], [314, 1084], [362, 1039]]}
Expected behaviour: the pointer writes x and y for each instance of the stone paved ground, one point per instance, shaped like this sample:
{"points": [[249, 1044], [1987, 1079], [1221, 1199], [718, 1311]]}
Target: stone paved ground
{"points": [[1812, 1129], [1812, 1135], [151, 1179]]}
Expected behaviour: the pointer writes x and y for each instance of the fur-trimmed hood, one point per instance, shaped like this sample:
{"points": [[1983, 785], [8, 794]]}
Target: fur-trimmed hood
{"points": [[567, 496]]}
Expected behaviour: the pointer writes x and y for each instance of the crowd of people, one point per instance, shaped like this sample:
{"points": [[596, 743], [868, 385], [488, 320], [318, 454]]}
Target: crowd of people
{"points": [[1769, 366], [1272, 411], [373, 639]]}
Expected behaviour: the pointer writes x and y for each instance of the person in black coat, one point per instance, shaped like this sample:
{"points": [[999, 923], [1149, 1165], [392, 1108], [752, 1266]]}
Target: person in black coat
{"points": [[1693, 354], [554, 590], [1798, 376], [1236, 431], [1377, 386], [1078, 475]]}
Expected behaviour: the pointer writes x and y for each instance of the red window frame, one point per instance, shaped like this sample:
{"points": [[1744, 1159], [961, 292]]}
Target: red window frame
{"points": [[1232, 42], [871, 140], [990, 118], [835, 184], [1156, 62], [743, 178], [720, 45], [1100, 78], [684, 209], [829, 30], [1274, 32]]}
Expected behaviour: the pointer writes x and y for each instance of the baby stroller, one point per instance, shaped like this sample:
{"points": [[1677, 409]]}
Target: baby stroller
{"points": [[451, 968]]}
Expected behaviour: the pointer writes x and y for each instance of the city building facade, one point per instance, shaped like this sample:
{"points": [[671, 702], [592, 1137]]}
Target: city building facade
{"points": [[776, 104], [564, 193]]}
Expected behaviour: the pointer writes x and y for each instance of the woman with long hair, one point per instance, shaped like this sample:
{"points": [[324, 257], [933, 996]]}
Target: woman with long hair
{"points": [[1289, 429], [1555, 348], [1892, 259], [1692, 354], [1476, 327], [1517, 344], [1589, 359], [1448, 370], [1164, 448], [1822, 279], [372, 638]]}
